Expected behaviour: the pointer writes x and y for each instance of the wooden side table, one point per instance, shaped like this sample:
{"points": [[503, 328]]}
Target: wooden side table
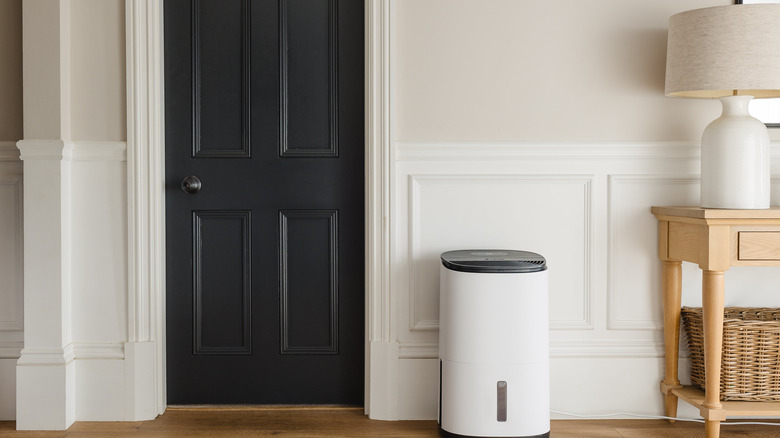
{"points": [[715, 240]]}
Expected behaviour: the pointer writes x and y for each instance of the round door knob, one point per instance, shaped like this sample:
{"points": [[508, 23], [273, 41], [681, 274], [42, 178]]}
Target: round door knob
{"points": [[191, 185]]}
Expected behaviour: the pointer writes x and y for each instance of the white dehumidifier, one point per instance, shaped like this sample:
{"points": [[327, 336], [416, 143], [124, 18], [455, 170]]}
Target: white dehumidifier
{"points": [[494, 344]]}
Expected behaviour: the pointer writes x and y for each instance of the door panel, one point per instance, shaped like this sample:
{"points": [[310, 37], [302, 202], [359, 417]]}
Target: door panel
{"points": [[309, 78], [265, 292], [309, 281], [222, 282]]}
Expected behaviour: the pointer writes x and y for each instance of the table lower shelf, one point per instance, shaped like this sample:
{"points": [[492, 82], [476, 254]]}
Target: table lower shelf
{"points": [[695, 397]]}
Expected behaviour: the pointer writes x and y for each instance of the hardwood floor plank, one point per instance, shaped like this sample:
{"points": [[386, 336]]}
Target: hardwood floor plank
{"points": [[329, 422]]}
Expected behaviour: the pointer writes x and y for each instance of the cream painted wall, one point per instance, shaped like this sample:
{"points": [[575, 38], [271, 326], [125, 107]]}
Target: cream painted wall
{"points": [[98, 104], [553, 70], [10, 70]]}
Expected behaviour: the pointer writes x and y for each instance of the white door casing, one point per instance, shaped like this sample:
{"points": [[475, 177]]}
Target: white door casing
{"points": [[145, 350]]}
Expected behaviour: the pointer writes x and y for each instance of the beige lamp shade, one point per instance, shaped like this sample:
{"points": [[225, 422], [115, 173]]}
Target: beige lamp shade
{"points": [[713, 52]]}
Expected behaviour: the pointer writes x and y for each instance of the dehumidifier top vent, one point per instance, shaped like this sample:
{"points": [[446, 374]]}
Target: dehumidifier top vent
{"points": [[493, 261]]}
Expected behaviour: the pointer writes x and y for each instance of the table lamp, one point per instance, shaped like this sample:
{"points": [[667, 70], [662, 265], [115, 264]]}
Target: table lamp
{"points": [[731, 53]]}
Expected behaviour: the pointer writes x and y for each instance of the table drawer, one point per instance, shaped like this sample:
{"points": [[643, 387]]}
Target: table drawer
{"points": [[759, 245]]}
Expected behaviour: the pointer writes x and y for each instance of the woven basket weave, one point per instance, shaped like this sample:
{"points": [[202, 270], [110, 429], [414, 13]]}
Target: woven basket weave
{"points": [[750, 368]]}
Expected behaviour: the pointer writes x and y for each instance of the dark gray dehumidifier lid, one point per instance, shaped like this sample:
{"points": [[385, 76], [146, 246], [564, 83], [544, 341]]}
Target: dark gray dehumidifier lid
{"points": [[493, 261]]}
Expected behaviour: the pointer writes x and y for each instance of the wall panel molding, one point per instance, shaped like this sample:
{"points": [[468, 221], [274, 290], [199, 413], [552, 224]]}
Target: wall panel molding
{"points": [[12, 215], [616, 182], [592, 348], [440, 151], [417, 320]]}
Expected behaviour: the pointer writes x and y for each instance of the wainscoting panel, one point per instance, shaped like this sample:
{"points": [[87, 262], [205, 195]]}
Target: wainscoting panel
{"points": [[632, 272], [586, 208], [11, 272], [12, 275], [449, 212]]}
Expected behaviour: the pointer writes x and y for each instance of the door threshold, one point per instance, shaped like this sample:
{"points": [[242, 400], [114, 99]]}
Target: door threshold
{"points": [[250, 407]]}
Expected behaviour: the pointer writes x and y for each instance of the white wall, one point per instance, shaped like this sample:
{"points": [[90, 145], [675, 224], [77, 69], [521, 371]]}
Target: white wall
{"points": [[543, 126]]}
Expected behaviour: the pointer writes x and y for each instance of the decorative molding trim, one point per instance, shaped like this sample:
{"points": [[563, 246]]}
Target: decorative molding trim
{"points": [[45, 150], [416, 322], [544, 150], [9, 151], [611, 349], [105, 151], [146, 188], [47, 356], [613, 322], [666, 150], [587, 349], [18, 322], [381, 362], [11, 350], [98, 351], [418, 350]]}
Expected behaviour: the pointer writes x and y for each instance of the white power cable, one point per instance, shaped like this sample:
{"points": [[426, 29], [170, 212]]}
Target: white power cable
{"points": [[661, 417]]}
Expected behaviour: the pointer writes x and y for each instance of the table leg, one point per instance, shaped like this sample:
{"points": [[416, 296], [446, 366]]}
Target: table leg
{"points": [[672, 293], [712, 308], [712, 429]]}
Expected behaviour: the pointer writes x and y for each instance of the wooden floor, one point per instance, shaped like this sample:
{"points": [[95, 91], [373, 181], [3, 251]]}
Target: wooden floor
{"points": [[350, 422]]}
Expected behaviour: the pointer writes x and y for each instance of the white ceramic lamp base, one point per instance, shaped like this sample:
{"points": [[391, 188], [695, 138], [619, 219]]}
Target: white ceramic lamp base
{"points": [[735, 159]]}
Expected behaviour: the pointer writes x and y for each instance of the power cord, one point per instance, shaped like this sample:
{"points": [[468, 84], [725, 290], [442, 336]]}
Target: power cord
{"points": [[661, 417]]}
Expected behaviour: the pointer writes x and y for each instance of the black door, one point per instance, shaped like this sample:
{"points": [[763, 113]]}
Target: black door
{"points": [[265, 291]]}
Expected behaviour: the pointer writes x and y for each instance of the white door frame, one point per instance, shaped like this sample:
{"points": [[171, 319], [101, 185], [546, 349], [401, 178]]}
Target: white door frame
{"points": [[145, 351]]}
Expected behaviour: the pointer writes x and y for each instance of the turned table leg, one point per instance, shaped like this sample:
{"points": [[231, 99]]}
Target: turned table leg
{"points": [[672, 293], [712, 307]]}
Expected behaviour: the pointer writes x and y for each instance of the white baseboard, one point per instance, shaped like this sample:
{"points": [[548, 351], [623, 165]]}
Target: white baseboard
{"points": [[140, 381], [383, 378], [46, 393]]}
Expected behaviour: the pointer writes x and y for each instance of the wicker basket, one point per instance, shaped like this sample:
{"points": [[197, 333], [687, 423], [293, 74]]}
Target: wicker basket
{"points": [[750, 368]]}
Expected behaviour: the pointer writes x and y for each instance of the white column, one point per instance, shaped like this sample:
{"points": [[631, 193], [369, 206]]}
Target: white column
{"points": [[46, 370]]}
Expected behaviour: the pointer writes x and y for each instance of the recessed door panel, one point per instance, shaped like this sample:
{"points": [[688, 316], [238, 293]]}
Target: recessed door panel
{"points": [[309, 273], [222, 282], [221, 51], [309, 78]]}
